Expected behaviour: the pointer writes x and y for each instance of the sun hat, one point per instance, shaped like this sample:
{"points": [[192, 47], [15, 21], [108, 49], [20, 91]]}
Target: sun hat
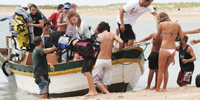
{"points": [[67, 6], [24, 6]]}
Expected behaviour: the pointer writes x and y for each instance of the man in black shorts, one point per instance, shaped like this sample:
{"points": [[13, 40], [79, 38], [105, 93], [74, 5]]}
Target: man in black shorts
{"points": [[153, 59], [128, 16]]}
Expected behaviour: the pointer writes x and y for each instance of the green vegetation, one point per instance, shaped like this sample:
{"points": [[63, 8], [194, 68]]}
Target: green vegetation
{"points": [[159, 6]]}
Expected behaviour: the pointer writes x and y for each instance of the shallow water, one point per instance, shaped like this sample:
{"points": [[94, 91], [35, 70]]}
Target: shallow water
{"points": [[143, 28]]}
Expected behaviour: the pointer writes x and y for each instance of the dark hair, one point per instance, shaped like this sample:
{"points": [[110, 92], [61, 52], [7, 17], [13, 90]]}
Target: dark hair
{"points": [[37, 40], [103, 26], [46, 21], [60, 6], [185, 38], [32, 5]]}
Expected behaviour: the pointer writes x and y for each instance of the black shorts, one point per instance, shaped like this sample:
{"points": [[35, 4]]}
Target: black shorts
{"points": [[153, 60], [128, 33], [88, 64]]}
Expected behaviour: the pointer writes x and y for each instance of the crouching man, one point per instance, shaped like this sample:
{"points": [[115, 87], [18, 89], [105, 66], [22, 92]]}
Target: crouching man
{"points": [[40, 66]]}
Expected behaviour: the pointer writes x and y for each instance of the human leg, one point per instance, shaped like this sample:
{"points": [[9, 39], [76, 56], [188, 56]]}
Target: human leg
{"points": [[150, 77], [130, 42], [102, 87], [162, 62], [86, 70], [166, 74], [92, 89]]}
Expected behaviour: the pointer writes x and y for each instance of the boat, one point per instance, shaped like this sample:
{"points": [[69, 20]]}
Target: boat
{"points": [[67, 80]]}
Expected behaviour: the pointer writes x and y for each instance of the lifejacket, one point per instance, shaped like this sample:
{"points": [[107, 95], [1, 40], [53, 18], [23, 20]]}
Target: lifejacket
{"points": [[22, 35]]}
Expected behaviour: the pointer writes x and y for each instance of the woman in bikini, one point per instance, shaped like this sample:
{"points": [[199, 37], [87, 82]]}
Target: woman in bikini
{"points": [[169, 31], [61, 22]]}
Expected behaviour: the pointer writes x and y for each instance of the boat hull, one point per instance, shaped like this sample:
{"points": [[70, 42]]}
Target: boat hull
{"points": [[68, 80]]}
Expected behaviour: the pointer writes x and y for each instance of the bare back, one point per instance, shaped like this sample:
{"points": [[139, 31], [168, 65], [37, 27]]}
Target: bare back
{"points": [[169, 31], [106, 39]]}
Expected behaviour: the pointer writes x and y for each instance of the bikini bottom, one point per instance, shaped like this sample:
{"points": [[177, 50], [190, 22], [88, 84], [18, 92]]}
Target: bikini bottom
{"points": [[169, 50]]}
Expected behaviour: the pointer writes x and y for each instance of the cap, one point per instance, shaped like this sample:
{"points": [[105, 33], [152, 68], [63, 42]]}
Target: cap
{"points": [[24, 6], [67, 6]]}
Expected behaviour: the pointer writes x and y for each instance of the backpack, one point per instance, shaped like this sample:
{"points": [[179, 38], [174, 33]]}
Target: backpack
{"points": [[197, 80], [88, 47]]}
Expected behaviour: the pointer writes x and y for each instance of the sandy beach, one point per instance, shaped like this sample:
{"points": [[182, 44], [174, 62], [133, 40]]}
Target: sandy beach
{"points": [[179, 93], [182, 93], [191, 14]]}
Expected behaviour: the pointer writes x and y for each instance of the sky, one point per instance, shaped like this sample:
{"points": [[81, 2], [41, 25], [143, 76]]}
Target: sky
{"points": [[80, 2]]}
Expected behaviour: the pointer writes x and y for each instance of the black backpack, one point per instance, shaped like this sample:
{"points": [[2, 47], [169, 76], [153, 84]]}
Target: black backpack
{"points": [[197, 80]]}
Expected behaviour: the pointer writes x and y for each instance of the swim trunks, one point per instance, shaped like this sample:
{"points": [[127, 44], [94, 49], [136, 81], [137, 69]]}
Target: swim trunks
{"points": [[153, 60], [128, 33], [102, 71], [185, 77]]}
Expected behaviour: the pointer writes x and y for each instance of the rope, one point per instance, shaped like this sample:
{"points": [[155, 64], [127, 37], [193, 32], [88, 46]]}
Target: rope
{"points": [[135, 59]]}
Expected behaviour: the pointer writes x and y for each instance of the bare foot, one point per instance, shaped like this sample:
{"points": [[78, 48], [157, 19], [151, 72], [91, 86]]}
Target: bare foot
{"points": [[163, 90], [157, 90], [147, 88], [153, 88], [91, 94]]}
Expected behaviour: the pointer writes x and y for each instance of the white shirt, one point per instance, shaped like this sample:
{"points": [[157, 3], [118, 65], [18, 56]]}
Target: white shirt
{"points": [[133, 10], [85, 30]]}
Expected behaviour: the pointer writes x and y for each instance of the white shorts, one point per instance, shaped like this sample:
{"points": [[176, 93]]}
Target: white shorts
{"points": [[102, 71]]}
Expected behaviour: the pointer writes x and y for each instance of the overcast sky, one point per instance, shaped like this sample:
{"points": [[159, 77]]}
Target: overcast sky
{"points": [[80, 2]]}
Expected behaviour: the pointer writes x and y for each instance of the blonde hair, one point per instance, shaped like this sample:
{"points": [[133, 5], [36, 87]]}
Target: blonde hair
{"points": [[162, 17], [73, 5], [72, 14]]}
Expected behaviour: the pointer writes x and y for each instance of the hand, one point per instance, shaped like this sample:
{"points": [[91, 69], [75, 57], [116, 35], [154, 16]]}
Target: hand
{"points": [[122, 27], [29, 24], [52, 67], [184, 61], [192, 42]]}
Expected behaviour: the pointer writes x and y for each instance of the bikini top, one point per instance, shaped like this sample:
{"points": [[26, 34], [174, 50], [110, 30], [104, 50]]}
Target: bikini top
{"points": [[170, 33]]}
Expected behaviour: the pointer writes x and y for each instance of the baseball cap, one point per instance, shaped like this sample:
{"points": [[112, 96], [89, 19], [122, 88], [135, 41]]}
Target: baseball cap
{"points": [[67, 6], [24, 6]]}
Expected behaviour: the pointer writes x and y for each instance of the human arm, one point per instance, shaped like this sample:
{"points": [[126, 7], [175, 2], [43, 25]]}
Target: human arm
{"points": [[191, 52], [49, 50], [117, 33], [51, 67], [40, 25], [192, 31], [59, 22], [121, 14], [180, 33], [159, 31], [192, 42], [154, 13], [120, 41], [148, 37], [177, 47]]}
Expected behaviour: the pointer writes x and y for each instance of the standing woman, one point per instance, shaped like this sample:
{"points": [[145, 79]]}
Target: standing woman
{"points": [[37, 20], [84, 30], [74, 19], [169, 31], [62, 22]]}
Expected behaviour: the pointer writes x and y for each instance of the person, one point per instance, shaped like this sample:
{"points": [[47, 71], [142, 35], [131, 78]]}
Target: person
{"points": [[37, 20], [73, 7], [40, 66], [24, 6], [169, 31], [84, 30], [62, 22], [55, 15], [128, 16], [186, 61], [74, 19], [153, 59], [46, 34], [102, 72]]}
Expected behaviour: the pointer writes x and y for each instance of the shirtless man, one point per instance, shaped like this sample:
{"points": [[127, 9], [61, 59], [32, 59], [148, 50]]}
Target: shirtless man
{"points": [[153, 59], [102, 72]]}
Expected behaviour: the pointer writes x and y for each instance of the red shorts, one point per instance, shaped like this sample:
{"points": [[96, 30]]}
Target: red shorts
{"points": [[185, 77]]}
